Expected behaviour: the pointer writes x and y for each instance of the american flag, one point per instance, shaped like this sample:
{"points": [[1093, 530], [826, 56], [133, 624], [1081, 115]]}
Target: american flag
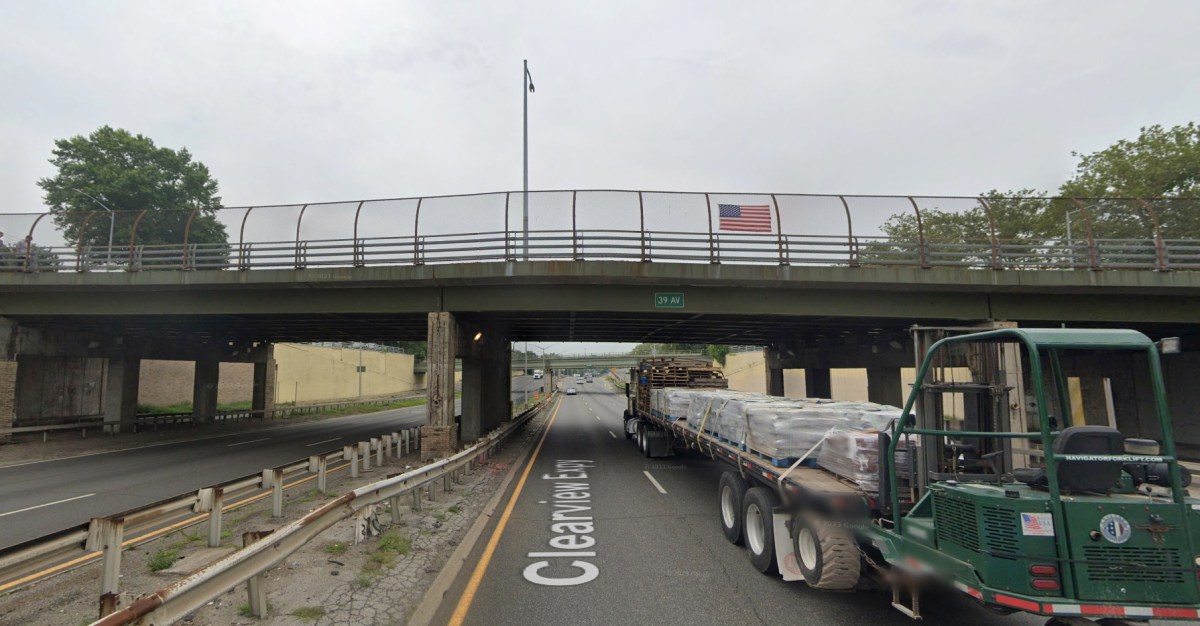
{"points": [[754, 219]]}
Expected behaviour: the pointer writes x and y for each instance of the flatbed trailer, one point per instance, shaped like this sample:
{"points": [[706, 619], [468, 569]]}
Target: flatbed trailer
{"points": [[1093, 533]]}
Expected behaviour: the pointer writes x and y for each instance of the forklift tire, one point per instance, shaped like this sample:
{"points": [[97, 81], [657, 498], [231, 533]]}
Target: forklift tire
{"points": [[1116, 621], [827, 555], [730, 492], [759, 529]]}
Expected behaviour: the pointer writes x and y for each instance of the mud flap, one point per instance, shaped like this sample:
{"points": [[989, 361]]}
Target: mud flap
{"points": [[785, 555]]}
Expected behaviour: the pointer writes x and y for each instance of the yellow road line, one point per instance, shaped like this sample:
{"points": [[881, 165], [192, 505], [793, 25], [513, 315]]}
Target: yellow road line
{"points": [[468, 596]]}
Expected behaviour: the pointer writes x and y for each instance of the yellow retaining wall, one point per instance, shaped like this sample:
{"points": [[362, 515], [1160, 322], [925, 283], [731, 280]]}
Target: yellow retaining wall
{"points": [[311, 374], [308, 374], [747, 371]]}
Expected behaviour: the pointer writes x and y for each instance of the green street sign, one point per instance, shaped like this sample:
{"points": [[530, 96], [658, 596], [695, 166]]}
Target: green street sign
{"points": [[668, 301]]}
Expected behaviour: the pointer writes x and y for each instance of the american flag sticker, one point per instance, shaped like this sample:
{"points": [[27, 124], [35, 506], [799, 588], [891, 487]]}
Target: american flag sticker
{"points": [[1037, 525]]}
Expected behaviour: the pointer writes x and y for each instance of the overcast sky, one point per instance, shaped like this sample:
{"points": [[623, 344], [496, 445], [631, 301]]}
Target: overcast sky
{"points": [[318, 101]]}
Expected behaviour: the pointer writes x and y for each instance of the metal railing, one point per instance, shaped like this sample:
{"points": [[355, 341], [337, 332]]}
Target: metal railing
{"points": [[154, 420], [249, 565], [103, 538], [633, 226]]}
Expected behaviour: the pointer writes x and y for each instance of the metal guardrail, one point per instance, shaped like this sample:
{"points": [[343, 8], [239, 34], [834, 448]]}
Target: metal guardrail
{"points": [[154, 420], [103, 538], [640, 226], [249, 565]]}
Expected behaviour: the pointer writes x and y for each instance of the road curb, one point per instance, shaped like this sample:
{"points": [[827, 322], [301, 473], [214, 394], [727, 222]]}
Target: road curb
{"points": [[432, 600]]}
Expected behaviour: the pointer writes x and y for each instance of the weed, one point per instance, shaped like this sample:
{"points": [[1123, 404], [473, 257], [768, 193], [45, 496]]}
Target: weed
{"points": [[163, 559], [244, 609], [336, 547], [362, 581], [393, 541], [226, 533], [311, 495], [453, 509], [309, 613]]}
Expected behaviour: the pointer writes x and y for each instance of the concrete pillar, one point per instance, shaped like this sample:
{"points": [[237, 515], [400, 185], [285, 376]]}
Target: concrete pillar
{"points": [[497, 385], [8, 396], [204, 389], [774, 381], [439, 435], [471, 426], [884, 387], [120, 394], [263, 395], [817, 382]]}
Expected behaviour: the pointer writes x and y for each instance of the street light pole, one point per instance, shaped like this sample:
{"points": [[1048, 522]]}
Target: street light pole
{"points": [[112, 220], [526, 89]]}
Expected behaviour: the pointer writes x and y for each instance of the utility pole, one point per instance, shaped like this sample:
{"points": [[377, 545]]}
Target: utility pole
{"points": [[527, 88]]}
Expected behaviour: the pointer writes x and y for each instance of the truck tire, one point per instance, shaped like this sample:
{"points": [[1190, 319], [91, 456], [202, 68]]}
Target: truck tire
{"points": [[640, 430], [730, 492], [759, 529], [828, 556]]}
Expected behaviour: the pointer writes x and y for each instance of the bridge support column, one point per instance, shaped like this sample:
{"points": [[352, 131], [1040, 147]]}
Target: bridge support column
{"points": [[817, 382], [204, 389], [8, 396], [120, 394], [471, 426], [774, 381], [497, 384], [263, 396], [439, 435], [884, 387]]}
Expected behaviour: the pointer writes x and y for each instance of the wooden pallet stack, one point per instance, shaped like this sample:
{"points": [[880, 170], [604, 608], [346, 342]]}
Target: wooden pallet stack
{"points": [[659, 373]]}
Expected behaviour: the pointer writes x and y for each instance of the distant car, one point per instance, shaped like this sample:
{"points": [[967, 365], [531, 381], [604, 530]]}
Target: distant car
{"points": [[570, 391]]}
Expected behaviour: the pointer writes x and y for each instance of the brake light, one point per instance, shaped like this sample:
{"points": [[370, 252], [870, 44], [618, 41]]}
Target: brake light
{"points": [[1045, 584], [1043, 570]]}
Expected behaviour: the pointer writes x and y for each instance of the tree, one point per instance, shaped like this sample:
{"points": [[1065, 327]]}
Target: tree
{"points": [[1020, 223], [128, 173], [1160, 163]]}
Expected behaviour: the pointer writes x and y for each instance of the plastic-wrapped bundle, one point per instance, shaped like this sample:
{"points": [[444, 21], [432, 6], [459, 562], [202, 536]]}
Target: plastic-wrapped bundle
{"points": [[789, 429], [731, 419], [676, 401], [854, 455], [656, 401]]}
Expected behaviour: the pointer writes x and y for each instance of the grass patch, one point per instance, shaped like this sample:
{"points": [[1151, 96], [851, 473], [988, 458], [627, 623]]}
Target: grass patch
{"points": [[362, 581], [335, 548], [312, 494], [452, 509], [308, 613], [394, 542], [163, 559], [244, 609], [186, 407]]}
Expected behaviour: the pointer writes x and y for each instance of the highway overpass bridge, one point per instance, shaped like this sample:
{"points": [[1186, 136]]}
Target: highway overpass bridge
{"points": [[816, 301], [579, 362]]}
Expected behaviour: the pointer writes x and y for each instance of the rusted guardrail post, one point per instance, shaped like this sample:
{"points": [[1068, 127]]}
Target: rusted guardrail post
{"points": [[404, 435], [385, 448], [106, 535], [273, 479], [210, 500], [366, 524], [256, 586], [364, 450], [395, 444], [377, 444], [350, 453]]}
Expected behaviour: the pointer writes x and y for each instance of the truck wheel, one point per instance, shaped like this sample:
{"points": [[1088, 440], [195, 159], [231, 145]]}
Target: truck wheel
{"points": [[640, 430], [828, 556], [730, 492], [758, 527], [628, 434], [646, 441]]}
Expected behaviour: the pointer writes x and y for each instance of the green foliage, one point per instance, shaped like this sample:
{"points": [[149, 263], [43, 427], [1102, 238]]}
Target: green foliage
{"points": [[163, 559], [335, 548], [308, 613], [1162, 165], [394, 542], [717, 353], [129, 174]]}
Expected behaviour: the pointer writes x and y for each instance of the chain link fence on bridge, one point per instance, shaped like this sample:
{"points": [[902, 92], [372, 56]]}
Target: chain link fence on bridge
{"points": [[637, 226]]}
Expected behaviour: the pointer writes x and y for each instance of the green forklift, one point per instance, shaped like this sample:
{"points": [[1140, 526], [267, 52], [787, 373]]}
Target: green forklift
{"points": [[1014, 495]]}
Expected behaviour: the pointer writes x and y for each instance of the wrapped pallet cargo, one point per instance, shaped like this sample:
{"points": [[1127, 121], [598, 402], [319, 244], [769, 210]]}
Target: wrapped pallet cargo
{"points": [[675, 402], [854, 455]]}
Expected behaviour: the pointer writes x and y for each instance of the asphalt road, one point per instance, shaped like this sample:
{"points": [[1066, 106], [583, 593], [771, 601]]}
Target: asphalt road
{"points": [[43, 497], [658, 557]]}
